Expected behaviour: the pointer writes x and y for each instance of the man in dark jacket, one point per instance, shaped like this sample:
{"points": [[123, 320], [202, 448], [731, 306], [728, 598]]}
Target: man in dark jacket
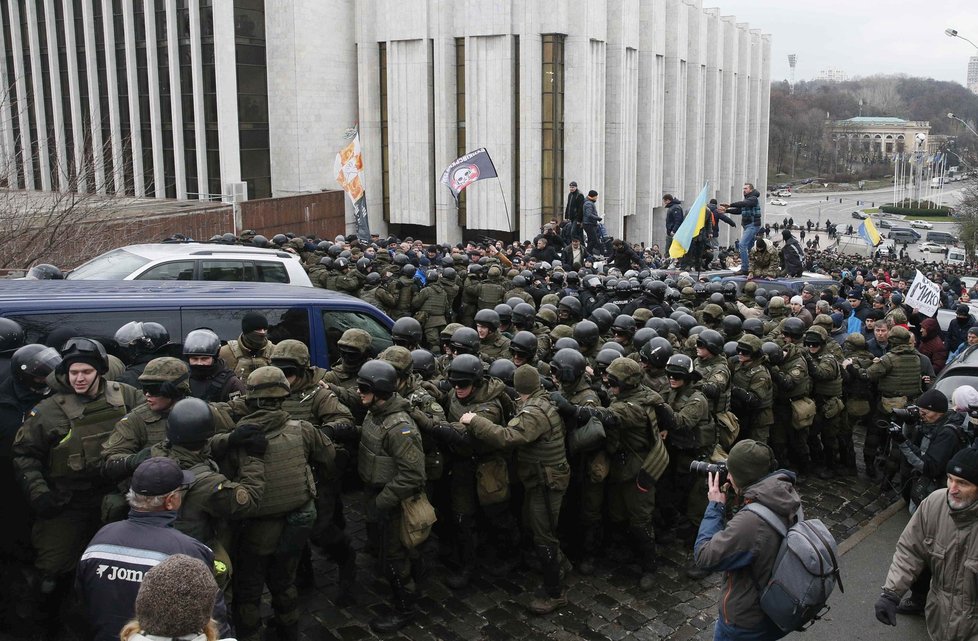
{"points": [[957, 330], [674, 217], [543, 252], [749, 209], [745, 549], [574, 212], [574, 255], [112, 567], [792, 257]]}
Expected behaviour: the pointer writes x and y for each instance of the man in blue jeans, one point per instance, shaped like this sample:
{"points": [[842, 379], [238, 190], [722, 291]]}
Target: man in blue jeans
{"points": [[749, 209]]}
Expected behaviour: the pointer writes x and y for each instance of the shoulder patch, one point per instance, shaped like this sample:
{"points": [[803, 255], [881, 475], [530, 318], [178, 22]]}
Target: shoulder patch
{"points": [[241, 496], [405, 429]]}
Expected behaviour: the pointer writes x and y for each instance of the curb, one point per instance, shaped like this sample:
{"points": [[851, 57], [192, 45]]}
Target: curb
{"points": [[871, 527]]}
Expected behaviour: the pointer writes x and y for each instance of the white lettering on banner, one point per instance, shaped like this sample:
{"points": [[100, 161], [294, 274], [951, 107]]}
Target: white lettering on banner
{"points": [[924, 295]]}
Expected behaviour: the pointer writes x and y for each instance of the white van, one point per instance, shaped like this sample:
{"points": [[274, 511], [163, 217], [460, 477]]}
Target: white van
{"points": [[955, 256]]}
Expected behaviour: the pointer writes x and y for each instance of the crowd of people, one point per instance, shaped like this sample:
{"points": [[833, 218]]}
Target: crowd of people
{"points": [[544, 399]]}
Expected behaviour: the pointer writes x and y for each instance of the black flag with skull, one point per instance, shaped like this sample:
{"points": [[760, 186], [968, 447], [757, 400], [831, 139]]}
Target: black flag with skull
{"points": [[473, 166]]}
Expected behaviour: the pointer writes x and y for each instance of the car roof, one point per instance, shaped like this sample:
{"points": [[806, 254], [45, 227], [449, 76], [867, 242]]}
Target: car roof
{"points": [[155, 251], [38, 295]]}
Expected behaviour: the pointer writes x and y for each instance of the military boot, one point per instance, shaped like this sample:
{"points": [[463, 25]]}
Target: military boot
{"points": [[847, 455], [644, 542], [553, 597], [346, 561], [465, 544], [403, 611], [590, 546], [305, 576], [829, 462]]}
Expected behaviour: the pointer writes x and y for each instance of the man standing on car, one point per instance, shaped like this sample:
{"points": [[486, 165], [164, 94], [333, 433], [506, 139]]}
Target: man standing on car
{"points": [[674, 217], [749, 210], [591, 220], [574, 212]]}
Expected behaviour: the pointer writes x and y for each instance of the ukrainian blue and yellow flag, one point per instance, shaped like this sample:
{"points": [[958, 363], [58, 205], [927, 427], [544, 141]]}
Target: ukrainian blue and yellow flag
{"points": [[869, 233], [692, 225]]}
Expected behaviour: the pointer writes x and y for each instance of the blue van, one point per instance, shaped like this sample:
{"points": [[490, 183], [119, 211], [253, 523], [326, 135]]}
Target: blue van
{"points": [[96, 309]]}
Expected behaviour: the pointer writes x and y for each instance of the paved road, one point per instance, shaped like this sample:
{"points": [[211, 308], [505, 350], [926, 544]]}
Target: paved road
{"points": [[863, 570]]}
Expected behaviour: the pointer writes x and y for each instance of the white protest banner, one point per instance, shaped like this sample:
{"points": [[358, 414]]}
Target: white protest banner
{"points": [[924, 295]]}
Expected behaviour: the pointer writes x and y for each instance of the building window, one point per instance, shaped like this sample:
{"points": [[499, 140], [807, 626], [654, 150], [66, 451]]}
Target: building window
{"points": [[384, 140], [460, 115], [552, 161]]}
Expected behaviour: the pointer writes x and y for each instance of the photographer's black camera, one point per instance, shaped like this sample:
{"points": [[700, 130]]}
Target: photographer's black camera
{"points": [[703, 467], [910, 414]]}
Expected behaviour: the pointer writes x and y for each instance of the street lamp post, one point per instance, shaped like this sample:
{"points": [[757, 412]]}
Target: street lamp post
{"points": [[967, 126], [953, 33]]}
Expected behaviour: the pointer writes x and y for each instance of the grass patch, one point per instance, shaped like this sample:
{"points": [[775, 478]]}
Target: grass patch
{"points": [[932, 219]]}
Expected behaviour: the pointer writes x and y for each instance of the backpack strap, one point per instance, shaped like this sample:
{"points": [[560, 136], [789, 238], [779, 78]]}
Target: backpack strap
{"points": [[769, 517]]}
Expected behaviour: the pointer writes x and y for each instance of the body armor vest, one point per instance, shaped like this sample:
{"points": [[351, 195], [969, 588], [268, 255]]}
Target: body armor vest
{"points": [[75, 460], [830, 388], [289, 482], [299, 409], [376, 467], [904, 377], [491, 294], [245, 363], [548, 450], [194, 520]]}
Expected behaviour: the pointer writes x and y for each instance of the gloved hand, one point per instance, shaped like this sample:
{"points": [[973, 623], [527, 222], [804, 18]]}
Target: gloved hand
{"points": [[586, 413], [562, 404], [133, 460], [898, 436], [644, 481], [256, 445], [886, 607], [446, 433], [245, 434], [342, 432], [47, 505], [444, 385], [739, 395]]}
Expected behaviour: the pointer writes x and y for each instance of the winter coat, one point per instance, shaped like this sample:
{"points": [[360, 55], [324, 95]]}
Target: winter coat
{"points": [[946, 542], [746, 548], [933, 347], [792, 257], [957, 332], [674, 216], [591, 216], [574, 211], [748, 208]]}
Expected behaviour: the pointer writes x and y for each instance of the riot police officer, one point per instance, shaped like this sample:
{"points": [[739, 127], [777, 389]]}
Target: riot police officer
{"points": [[210, 378], [251, 349]]}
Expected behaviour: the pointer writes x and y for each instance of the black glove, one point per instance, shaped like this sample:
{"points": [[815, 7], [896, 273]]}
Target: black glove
{"points": [[886, 607], [644, 481], [133, 460], [342, 432], [256, 445], [444, 385], [586, 413], [739, 395], [897, 436], [47, 505], [447, 434], [563, 406], [247, 434]]}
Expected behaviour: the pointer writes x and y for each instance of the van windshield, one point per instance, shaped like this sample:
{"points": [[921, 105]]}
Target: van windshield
{"points": [[113, 265]]}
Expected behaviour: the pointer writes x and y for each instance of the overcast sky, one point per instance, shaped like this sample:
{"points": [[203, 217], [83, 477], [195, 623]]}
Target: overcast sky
{"points": [[863, 37]]}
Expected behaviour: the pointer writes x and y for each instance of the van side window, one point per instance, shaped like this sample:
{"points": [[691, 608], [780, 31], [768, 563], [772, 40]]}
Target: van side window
{"points": [[98, 325], [336, 323], [283, 322], [230, 270], [269, 272], [177, 270]]}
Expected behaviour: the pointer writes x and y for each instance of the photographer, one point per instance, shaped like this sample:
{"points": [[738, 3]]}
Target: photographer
{"points": [[746, 548]]}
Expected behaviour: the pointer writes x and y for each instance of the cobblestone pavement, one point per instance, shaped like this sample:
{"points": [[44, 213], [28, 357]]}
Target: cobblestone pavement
{"points": [[606, 606]]}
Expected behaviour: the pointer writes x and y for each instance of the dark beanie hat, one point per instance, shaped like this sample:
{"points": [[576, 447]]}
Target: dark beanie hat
{"points": [[176, 597], [592, 193], [526, 380], [253, 321], [933, 400], [965, 465], [786, 234], [749, 461]]}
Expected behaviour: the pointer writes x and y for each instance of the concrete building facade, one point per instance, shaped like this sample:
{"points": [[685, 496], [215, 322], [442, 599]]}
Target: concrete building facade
{"points": [[251, 98], [973, 74]]}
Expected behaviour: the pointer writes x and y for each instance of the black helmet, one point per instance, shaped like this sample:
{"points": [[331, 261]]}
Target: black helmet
{"points": [[686, 323], [449, 273], [657, 288], [642, 336], [774, 353], [623, 286], [613, 309], [793, 327], [524, 315], [753, 326], [656, 324], [503, 370], [656, 352], [465, 369], [505, 313], [229, 238], [524, 343], [730, 290], [571, 305], [44, 271], [730, 349], [566, 343], [84, 350], [711, 340], [568, 365], [202, 342], [423, 362], [624, 324], [731, 325], [341, 263], [378, 377], [761, 292], [519, 281], [406, 331], [680, 366], [465, 340], [11, 335], [573, 279], [717, 298], [190, 421], [672, 327], [400, 259], [487, 317], [326, 262], [409, 270], [606, 357], [602, 318], [373, 278], [678, 313], [363, 264], [431, 276], [618, 347], [280, 239], [32, 362], [259, 241], [557, 278], [697, 330], [137, 338], [586, 333]]}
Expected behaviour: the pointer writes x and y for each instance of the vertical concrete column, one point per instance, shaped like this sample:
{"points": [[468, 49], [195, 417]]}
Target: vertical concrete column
{"points": [[74, 98], [226, 79], [176, 105], [155, 110], [94, 106]]}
